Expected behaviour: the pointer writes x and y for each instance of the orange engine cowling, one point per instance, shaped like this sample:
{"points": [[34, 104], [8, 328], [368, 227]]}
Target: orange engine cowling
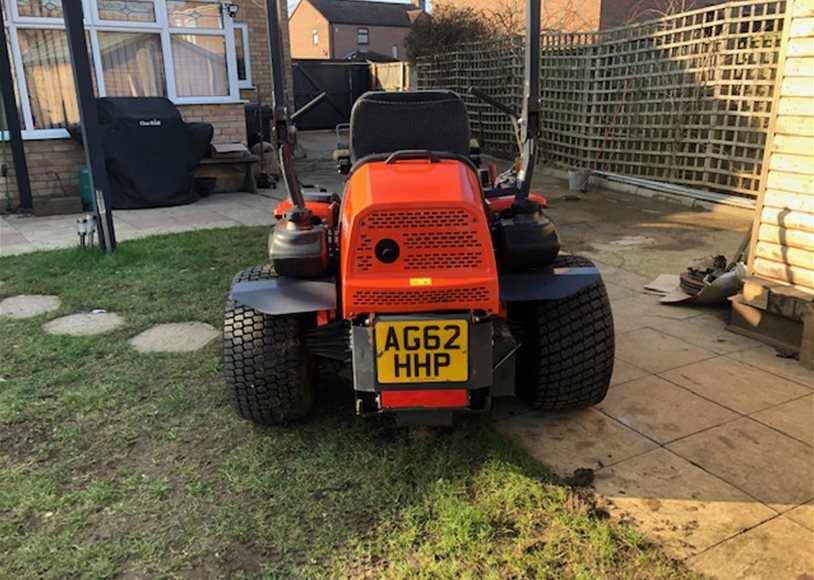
{"points": [[414, 238]]}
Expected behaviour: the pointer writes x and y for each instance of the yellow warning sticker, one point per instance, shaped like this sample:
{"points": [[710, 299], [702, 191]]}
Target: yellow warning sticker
{"points": [[420, 281]]}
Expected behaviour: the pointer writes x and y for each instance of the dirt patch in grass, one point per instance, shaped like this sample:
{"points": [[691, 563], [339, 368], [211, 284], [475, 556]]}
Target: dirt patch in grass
{"points": [[586, 503], [238, 557], [20, 440]]}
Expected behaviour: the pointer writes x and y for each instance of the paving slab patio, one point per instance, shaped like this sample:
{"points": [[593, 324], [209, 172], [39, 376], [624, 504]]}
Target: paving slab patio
{"points": [[772, 467], [779, 548], [795, 419], [21, 234], [734, 384], [654, 351], [624, 372], [686, 508], [803, 515], [569, 441], [766, 358], [661, 410], [706, 331]]}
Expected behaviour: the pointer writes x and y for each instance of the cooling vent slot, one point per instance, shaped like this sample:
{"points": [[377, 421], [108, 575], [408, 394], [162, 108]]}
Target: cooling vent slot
{"points": [[432, 241], [379, 298], [452, 261], [440, 218]]}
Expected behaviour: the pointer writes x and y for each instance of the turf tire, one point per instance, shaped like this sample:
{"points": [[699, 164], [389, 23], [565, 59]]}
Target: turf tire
{"points": [[566, 360], [269, 375]]}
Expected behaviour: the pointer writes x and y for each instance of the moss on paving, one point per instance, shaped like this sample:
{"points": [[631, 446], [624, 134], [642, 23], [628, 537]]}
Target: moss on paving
{"points": [[114, 462]]}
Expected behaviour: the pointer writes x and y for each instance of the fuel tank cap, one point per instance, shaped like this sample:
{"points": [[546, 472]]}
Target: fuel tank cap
{"points": [[387, 251]]}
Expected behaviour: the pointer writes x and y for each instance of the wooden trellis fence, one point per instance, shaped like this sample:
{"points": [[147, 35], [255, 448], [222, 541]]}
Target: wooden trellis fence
{"points": [[684, 99]]}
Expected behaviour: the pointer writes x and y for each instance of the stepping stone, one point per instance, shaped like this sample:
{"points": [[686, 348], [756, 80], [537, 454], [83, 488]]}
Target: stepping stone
{"points": [[28, 305], [175, 337], [85, 324]]}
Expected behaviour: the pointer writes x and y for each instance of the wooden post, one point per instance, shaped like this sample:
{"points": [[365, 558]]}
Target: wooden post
{"points": [[807, 344]]}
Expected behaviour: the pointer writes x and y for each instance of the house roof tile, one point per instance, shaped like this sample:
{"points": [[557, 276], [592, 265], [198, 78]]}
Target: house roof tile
{"points": [[362, 12]]}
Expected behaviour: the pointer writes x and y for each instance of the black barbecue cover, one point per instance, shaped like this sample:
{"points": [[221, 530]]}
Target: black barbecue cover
{"points": [[150, 151]]}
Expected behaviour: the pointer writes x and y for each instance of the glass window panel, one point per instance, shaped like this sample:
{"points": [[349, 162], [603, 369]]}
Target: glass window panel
{"points": [[362, 36], [240, 55], [40, 8], [127, 10], [3, 124], [49, 78], [194, 14], [200, 65], [133, 64]]}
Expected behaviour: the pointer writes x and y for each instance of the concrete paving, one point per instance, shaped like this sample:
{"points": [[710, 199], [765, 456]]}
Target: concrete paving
{"points": [[23, 234], [706, 439], [175, 337], [84, 324], [28, 305]]}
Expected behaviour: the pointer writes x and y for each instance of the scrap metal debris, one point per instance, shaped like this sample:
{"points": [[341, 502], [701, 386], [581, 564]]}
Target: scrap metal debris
{"points": [[705, 282], [701, 273]]}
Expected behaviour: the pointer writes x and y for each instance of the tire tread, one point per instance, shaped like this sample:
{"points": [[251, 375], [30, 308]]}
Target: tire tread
{"points": [[569, 351], [268, 373]]}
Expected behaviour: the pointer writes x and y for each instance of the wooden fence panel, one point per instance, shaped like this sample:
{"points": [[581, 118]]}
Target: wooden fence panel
{"points": [[685, 99]]}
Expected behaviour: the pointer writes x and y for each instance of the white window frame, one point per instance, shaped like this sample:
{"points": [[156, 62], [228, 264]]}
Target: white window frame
{"points": [[247, 59], [94, 25], [359, 33]]}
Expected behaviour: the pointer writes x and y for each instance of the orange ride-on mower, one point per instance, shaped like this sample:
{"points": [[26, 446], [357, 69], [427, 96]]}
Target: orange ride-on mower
{"points": [[440, 293]]}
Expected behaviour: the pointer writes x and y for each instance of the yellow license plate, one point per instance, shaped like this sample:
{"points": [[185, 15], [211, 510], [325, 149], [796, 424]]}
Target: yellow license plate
{"points": [[422, 351]]}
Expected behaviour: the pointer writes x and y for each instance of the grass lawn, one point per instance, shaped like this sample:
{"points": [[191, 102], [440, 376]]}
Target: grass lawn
{"points": [[114, 462]]}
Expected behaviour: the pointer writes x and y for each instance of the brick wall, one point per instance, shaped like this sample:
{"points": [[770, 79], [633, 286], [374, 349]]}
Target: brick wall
{"points": [[621, 12], [560, 15], [305, 19], [229, 121], [253, 12], [53, 167], [380, 39]]}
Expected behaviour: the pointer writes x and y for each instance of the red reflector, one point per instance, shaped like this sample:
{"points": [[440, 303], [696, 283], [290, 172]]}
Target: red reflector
{"points": [[436, 398]]}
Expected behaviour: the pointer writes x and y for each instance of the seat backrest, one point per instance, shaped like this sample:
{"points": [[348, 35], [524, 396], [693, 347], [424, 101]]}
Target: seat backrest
{"points": [[385, 122]]}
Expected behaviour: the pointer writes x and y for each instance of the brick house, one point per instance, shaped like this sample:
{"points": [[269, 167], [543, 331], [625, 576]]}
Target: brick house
{"points": [[334, 29], [579, 15], [562, 15], [194, 53], [621, 12]]}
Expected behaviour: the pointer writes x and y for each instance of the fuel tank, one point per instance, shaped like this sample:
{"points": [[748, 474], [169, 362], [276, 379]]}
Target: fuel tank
{"points": [[414, 238]]}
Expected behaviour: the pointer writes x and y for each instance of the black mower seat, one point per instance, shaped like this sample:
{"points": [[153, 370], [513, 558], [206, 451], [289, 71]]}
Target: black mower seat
{"points": [[385, 122]]}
